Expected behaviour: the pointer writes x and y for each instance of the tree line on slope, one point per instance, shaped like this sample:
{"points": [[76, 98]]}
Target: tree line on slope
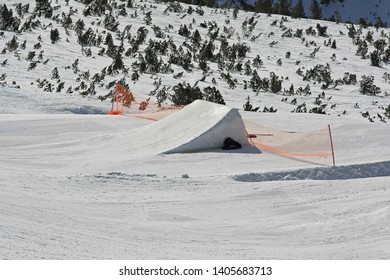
{"points": [[158, 55]]}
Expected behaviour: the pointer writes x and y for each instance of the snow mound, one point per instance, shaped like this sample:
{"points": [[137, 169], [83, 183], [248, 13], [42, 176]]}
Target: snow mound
{"points": [[200, 126], [355, 171]]}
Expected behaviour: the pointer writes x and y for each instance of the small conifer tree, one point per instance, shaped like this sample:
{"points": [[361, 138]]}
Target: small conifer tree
{"points": [[375, 58], [276, 84], [212, 94], [54, 36], [12, 44], [299, 10], [7, 20], [367, 86], [43, 8], [284, 7], [315, 10], [185, 94], [263, 6]]}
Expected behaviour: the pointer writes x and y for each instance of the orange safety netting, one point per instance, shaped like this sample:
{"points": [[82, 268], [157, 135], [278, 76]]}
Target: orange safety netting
{"points": [[122, 97], [126, 102], [314, 144]]}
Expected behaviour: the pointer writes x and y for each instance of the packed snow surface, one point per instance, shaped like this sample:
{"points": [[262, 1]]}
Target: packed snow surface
{"points": [[76, 183], [75, 186]]}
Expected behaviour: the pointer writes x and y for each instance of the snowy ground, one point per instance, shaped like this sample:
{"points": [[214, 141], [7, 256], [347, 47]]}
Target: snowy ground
{"points": [[73, 187], [66, 195]]}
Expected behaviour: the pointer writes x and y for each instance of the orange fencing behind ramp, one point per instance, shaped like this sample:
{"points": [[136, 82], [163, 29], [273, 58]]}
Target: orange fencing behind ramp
{"points": [[313, 144], [129, 103], [317, 145], [122, 98]]}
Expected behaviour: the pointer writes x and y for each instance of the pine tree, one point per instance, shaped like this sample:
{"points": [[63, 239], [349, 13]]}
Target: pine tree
{"points": [[110, 23], [284, 7], [263, 6], [54, 74], [299, 10], [12, 44], [247, 106], [43, 7], [54, 36], [276, 84], [212, 94], [375, 58], [367, 86], [185, 94], [334, 46], [316, 12], [7, 20], [387, 112]]}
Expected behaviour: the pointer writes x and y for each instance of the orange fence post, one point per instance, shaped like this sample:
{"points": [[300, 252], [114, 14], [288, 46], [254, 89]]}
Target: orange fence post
{"points": [[331, 145]]}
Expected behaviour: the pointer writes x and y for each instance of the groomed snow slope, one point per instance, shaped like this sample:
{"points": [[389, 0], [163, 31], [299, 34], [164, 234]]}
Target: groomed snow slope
{"points": [[77, 186], [66, 194]]}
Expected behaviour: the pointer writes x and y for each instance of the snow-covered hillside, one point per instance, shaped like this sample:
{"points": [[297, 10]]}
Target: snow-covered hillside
{"points": [[236, 55], [76, 183]]}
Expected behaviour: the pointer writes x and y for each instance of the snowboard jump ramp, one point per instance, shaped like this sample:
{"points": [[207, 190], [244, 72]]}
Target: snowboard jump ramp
{"points": [[197, 127], [204, 125]]}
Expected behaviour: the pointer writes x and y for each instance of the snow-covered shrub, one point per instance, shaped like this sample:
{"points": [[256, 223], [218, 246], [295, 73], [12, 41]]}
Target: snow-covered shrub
{"points": [[248, 106], [304, 91], [300, 108], [88, 38], [351, 31], [375, 58], [362, 49], [12, 45], [7, 20], [54, 74], [386, 77], [54, 36], [315, 10], [321, 30], [334, 46], [96, 7], [182, 58], [148, 18], [110, 23], [207, 51], [43, 7], [183, 31], [257, 84], [320, 73], [367, 86], [21, 10], [212, 94], [387, 112], [380, 45], [349, 79], [185, 94], [370, 37], [311, 31], [319, 109], [174, 7], [229, 80], [275, 83]]}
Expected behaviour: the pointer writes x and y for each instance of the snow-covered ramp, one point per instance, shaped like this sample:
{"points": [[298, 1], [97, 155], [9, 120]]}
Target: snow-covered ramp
{"points": [[197, 127]]}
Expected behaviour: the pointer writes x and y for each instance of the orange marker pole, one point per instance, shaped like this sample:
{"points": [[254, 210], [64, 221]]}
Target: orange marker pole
{"points": [[331, 145]]}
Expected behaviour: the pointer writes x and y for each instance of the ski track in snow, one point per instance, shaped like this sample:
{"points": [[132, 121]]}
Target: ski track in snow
{"points": [[119, 215]]}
